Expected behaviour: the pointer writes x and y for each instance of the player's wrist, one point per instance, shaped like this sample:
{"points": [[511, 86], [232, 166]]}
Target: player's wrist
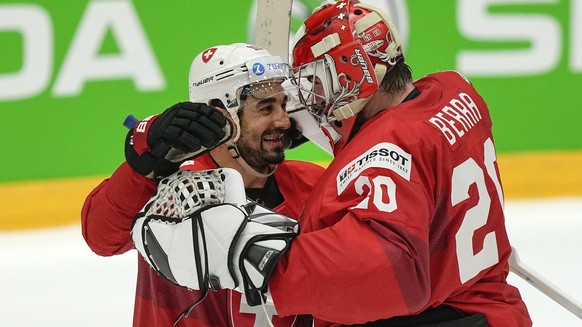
{"points": [[146, 163]]}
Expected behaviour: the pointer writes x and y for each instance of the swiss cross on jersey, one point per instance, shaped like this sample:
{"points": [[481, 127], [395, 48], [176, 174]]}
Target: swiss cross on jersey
{"points": [[207, 54]]}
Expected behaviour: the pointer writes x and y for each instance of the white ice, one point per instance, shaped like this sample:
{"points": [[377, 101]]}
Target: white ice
{"points": [[51, 278]]}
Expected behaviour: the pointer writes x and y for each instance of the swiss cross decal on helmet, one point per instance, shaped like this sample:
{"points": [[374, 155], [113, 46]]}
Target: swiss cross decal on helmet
{"points": [[207, 54], [346, 48], [227, 72]]}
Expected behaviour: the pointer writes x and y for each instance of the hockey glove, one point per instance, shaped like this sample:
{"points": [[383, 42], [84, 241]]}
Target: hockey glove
{"points": [[218, 246], [160, 143]]}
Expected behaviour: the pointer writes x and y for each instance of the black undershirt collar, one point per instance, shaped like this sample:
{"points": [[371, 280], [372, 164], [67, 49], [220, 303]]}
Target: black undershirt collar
{"points": [[269, 196]]}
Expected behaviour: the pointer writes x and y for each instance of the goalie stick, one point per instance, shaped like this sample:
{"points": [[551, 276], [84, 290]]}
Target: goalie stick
{"points": [[272, 26], [272, 30], [552, 291]]}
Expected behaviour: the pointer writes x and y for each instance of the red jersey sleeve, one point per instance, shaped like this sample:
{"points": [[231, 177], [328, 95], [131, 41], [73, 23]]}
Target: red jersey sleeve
{"points": [[295, 180], [109, 210]]}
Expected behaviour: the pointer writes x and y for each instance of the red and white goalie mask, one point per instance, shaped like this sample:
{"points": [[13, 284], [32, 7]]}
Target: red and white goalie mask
{"points": [[341, 53]]}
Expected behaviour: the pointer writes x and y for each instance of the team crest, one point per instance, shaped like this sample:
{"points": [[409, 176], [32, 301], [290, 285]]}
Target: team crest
{"points": [[207, 54]]}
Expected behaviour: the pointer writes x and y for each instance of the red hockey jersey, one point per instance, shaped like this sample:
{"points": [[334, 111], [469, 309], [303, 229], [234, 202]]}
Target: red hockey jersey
{"points": [[408, 216], [106, 220]]}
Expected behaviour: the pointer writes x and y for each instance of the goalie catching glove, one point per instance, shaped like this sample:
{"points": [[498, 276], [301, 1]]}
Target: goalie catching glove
{"points": [[160, 143], [201, 242]]}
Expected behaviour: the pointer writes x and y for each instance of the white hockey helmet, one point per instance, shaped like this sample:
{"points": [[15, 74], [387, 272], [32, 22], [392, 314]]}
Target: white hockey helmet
{"points": [[223, 71]]}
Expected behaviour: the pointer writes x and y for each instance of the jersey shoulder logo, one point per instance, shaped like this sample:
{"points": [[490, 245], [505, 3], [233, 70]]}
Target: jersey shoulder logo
{"points": [[382, 155]]}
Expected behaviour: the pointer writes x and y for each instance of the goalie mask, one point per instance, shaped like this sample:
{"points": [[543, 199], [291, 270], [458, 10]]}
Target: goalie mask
{"points": [[341, 53], [233, 74]]}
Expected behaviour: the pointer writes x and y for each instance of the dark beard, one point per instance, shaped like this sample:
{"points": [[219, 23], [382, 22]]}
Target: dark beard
{"points": [[258, 159]]}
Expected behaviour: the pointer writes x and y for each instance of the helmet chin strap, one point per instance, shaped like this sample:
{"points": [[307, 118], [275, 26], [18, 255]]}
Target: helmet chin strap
{"points": [[235, 154], [233, 150], [235, 122]]}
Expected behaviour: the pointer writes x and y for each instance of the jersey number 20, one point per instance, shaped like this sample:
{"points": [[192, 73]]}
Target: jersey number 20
{"points": [[464, 175], [382, 192]]}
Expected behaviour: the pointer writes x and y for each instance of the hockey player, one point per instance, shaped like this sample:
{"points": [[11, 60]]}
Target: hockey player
{"points": [[406, 226], [251, 140]]}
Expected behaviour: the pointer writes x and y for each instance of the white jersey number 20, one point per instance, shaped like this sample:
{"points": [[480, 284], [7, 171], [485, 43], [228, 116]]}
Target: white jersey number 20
{"points": [[464, 175]]}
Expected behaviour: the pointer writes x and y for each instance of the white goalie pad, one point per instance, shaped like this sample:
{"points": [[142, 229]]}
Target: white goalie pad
{"points": [[208, 243], [267, 217], [187, 251], [177, 197], [217, 247]]}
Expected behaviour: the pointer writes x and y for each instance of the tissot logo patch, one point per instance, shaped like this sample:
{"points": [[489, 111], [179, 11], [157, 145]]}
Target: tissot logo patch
{"points": [[382, 155]]}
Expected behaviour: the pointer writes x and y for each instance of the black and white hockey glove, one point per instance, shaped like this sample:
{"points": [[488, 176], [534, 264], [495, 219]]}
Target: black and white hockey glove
{"points": [[160, 143], [211, 244]]}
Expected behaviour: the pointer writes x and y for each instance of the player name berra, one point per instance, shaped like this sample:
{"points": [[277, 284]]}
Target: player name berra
{"points": [[454, 120]]}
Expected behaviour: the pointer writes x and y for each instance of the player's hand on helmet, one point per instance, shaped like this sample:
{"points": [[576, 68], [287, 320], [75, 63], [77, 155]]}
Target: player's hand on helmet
{"points": [[160, 143]]}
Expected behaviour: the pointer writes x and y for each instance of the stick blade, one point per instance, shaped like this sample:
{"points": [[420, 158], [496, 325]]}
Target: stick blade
{"points": [[272, 26]]}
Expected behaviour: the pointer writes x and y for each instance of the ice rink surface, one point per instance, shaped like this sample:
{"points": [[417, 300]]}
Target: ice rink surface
{"points": [[51, 278]]}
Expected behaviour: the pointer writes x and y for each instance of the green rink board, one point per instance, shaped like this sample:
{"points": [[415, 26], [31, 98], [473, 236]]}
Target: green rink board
{"points": [[63, 100]]}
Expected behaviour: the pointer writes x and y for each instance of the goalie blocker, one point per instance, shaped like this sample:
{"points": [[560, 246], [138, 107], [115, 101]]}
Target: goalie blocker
{"points": [[197, 233]]}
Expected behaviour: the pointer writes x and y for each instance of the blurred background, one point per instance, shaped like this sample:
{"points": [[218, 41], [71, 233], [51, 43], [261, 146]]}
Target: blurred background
{"points": [[71, 71]]}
